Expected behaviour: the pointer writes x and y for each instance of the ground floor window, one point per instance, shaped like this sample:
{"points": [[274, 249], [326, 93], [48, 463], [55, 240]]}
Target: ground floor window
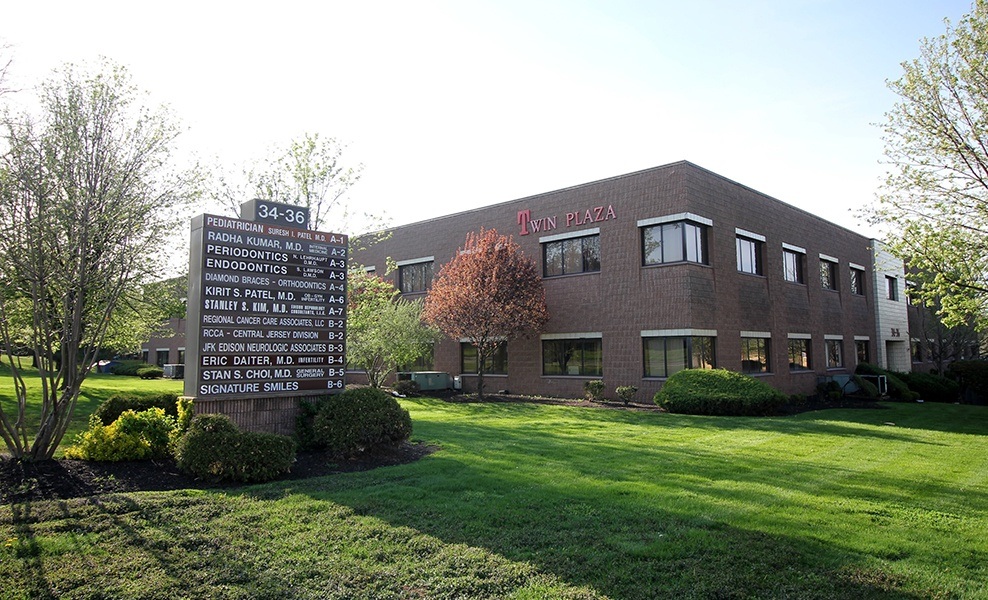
{"points": [[161, 358], [667, 355], [145, 355], [862, 350], [572, 357], [426, 362], [755, 355], [799, 355], [835, 354], [496, 364], [916, 350], [181, 356]]}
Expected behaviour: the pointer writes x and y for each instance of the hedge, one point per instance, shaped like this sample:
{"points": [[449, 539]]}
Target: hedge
{"points": [[214, 448], [718, 392], [353, 421], [110, 409]]}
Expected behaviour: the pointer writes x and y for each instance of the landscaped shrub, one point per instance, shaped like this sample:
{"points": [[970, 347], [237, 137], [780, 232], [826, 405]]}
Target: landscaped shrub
{"points": [[128, 367], [867, 388], [972, 375], [107, 443], [133, 436], [214, 448], [932, 388], [353, 421], [830, 390], [593, 390], [406, 387], [897, 388], [150, 372], [184, 413], [718, 392], [152, 425], [626, 393], [114, 406]]}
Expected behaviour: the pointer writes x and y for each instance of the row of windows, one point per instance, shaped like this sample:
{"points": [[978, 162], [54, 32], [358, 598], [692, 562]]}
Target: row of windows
{"points": [[664, 356], [665, 243]]}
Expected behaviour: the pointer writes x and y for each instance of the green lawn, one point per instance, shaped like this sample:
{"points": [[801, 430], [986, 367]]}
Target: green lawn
{"points": [[97, 388], [536, 501]]}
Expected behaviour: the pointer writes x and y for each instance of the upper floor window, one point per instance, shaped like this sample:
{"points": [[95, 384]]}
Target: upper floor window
{"points": [[857, 281], [749, 252], [892, 287], [571, 255], [678, 241], [828, 272], [415, 276], [793, 259]]}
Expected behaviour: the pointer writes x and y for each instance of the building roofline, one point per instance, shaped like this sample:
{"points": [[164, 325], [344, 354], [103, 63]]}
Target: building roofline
{"points": [[617, 178]]}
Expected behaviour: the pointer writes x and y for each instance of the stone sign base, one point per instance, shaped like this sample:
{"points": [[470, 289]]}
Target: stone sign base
{"points": [[268, 415]]}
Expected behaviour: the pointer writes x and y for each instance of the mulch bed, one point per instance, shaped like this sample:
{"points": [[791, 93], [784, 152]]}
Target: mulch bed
{"points": [[63, 479]]}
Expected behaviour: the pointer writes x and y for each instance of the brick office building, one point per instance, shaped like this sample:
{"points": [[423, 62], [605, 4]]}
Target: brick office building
{"points": [[671, 267]]}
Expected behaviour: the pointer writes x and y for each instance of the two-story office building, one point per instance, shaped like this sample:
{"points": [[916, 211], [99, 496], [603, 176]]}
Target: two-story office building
{"points": [[669, 268]]}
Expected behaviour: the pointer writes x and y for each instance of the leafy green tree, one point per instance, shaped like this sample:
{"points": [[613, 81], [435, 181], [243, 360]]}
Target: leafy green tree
{"points": [[310, 172], [383, 330], [86, 197], [934, 203], [490, 292]]}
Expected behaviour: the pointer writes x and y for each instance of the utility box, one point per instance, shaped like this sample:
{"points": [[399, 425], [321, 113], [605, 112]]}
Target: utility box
{"points": [[428, 380], [174, 371]]}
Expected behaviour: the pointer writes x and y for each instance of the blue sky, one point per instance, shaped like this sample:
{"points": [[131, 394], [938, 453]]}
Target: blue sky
{"points": [[452, 105]]}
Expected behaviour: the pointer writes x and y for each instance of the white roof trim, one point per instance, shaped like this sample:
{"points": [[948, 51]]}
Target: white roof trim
{"points": [[569, 235], [676, 217], [572, 336], [828, 258], [679, 332], [856, 266], [793, 248], [833, 337], [800, 336], [749, 234], [415, 261], [756, 334]]}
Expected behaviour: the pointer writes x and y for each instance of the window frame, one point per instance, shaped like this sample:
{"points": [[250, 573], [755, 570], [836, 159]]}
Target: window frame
{"points": [[806, 354], [765, 351], [829, 273], [570, 239], [583, 341], [857, 276], [427, 266], [892, 288], [692, 246], [796, 271], [750, 247], [830, 344], [695, 348], [862, 357], [498, 363]]}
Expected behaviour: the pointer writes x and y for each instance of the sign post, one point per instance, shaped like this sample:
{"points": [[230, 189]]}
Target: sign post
{"points": [[266, 315]]}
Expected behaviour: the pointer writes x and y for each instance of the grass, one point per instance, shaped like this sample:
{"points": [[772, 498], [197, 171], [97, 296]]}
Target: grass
{"points": [[533, 501], [97, 388]]}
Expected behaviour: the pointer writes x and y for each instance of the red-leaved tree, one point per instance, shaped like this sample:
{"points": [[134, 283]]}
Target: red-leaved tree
{"points": [[488, 293]]}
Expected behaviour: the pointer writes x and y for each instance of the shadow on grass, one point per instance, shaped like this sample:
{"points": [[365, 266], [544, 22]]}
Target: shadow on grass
{"points": [[646, 520]]}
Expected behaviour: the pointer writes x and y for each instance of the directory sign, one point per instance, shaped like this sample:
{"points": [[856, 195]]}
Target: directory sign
{"points": [[266, 309]]}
